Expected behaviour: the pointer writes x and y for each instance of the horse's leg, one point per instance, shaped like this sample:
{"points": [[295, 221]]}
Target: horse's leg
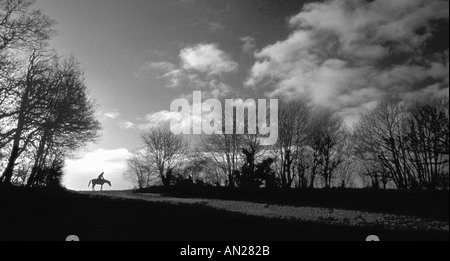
{"points": [[101, 188], [93, 187]]}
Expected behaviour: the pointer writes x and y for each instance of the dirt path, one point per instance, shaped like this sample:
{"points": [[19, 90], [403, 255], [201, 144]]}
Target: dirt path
{"points": [[312, 214]]}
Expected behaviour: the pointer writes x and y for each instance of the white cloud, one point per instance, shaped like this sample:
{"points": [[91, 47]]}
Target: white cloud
{"points": [[216, 27], [202, 68], [340, 53], [182, 78], [159, 119], [78, 172], [249, 45], [218, 89], [112, 115], [127, 125], [213, 87], [163, 66], [164, 118], [207, 58], [154, 68]]}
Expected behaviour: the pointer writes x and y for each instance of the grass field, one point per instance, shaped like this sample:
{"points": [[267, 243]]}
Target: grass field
{"points": [[114, 216]]}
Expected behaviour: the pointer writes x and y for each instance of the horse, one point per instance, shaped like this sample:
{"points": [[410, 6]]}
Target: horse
{"points": [[100, 182]]}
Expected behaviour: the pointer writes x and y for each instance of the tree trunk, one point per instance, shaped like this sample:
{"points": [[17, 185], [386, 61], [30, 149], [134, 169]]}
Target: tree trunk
{"points": [[38, 161], [313, 177], [15, 152], [7, 174]]}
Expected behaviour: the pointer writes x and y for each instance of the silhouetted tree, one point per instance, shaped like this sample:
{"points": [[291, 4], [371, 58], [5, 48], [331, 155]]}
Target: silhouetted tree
{"points": [[223, 151], [22, 30], [49, 176], [45, 114], [327, 139], [24, 111], [254, 174], [194, 169], [246, 178], [265, 172], [21, 26], [427, 141], [166, 151], [8, 84], [406, 142], [66, 120], [21, 175], [347, 171], [140, 172], [379, 139], [251, 153], [51, 115], [292, 138], [303, 165]]}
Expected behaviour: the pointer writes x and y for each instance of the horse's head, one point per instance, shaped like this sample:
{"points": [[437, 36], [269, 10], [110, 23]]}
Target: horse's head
{"points": [[108, 182]]}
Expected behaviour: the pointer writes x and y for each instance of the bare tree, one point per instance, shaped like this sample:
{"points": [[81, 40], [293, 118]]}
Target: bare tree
{"points": [[166, 151], [212, 174], [427, 142], [141, 171], [52, 114], [22, 26], [303, 165], [327, 139], [44, 109], [8, 84], [22, 31], [293, 133], [28, 99], [406, 143], [347, 171], [66, 121], [223, 151], [380, 142]]}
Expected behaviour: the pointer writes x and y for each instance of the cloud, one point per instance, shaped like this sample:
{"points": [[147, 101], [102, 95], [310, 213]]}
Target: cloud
{"points": [[202, 68], [215, 27], [207, 58], [249, 45], [346, 54], [112, 115], [162, 66], [434, 89], [181, 78], [78, 172], [153, 120], [154, 68], [159, 119], [164, 118], [127, 125]]}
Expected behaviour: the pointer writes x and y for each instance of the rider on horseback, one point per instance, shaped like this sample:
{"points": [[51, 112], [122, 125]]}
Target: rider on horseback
{"points": [[99, 181]]}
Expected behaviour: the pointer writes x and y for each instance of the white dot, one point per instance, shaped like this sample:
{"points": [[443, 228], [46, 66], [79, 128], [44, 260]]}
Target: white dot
{"points": [[373, 238], [73, 238]]}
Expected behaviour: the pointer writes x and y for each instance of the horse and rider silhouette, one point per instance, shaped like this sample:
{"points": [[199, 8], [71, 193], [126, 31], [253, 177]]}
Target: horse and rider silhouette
{"points": [[99, 181]]}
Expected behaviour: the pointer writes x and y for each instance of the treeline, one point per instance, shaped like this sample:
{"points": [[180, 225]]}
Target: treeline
{"points": [[396, 144], [406, 144], [45, 113]]}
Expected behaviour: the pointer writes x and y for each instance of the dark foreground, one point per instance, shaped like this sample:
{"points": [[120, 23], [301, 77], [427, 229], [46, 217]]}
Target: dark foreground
{"points": [[423, 204], [38, 215]]}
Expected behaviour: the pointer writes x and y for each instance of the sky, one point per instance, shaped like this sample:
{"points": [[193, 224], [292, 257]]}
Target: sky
{"points": [[140, 55]]}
